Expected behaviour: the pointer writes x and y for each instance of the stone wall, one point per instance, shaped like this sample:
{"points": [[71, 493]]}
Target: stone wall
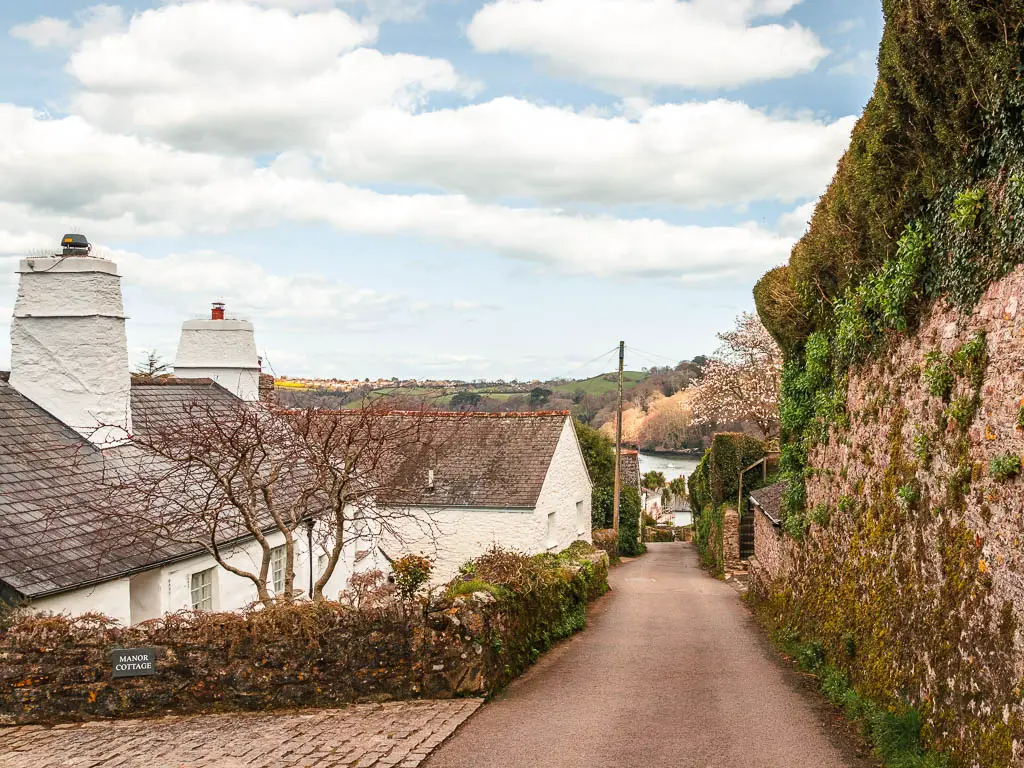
{"points": [[55, 668], [771, 556], [731, 539], [912, 574]]}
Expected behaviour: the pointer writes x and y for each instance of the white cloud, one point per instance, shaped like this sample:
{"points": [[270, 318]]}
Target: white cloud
{"points": [[861, 63], [696, 154], [120, 187], [48, 32], [629, 46], [202, 276], [795, 223], [67, 164], [229, 75]]}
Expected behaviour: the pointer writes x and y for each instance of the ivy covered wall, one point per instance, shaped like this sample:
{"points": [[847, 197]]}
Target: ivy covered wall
{"points": [[902, 404]]}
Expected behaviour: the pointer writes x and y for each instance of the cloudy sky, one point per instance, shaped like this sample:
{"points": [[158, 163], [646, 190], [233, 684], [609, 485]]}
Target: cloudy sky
{"points": [[426, 188]]}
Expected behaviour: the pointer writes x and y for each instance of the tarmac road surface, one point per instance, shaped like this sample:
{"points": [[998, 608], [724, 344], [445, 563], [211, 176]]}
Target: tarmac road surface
{"points": [[671, 672]]}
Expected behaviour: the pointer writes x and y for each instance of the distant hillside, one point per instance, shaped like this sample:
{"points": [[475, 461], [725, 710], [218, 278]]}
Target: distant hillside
{"points": [[599, 385]]}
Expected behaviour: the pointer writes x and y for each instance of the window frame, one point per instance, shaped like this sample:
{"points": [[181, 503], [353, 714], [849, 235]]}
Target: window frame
{"points": [[209, 573], [278, 562]]}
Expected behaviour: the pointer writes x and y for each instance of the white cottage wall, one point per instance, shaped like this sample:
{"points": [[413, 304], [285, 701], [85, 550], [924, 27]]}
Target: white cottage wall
{"points": [[461, 533], [166, 589], [565, 495], [111, 598]]}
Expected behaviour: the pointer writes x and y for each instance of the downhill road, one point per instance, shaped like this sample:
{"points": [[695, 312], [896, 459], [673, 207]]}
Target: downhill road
{"points": [[671, 672]]}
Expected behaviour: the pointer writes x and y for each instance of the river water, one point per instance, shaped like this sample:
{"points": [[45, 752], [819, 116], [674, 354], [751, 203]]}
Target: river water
{"points": [[672, 465]]}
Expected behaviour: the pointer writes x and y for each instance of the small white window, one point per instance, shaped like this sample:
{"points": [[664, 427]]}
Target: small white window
{"points": [[552, 536], [581, 524], [277, 562], [321, 565], [202, 590]]}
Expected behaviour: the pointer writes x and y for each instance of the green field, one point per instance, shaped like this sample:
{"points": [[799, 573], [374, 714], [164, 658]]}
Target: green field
{"points": [[602, 384], [596, 385]]}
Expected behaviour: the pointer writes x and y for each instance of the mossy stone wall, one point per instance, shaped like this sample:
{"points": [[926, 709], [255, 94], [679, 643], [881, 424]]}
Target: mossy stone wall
{"points": [[912, 573]]}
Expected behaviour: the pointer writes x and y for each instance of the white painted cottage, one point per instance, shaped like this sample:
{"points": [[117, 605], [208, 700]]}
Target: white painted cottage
{"points": [[69, 406], [515, 480]]}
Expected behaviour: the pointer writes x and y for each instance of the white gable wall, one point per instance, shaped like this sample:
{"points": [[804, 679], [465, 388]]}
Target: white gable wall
{"points": [[111, 598], [463, 533], [456, 534], [565, 494]]}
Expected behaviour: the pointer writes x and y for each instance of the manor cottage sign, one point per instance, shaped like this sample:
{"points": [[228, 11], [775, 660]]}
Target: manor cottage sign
{"points": [[132, 662]]}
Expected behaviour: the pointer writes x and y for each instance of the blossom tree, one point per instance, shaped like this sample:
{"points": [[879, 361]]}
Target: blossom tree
{"points": [[741, 381]]}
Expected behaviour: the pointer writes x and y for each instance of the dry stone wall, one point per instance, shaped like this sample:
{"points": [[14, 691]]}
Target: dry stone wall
{"points": [[59, 669], [912, 574]]}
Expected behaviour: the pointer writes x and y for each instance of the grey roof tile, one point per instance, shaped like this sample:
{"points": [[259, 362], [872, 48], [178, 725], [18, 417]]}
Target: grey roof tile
{"points": [[51, 537]]}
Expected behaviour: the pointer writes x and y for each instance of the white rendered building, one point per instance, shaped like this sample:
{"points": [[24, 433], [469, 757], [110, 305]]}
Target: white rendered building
{"points": [[68, 409]]}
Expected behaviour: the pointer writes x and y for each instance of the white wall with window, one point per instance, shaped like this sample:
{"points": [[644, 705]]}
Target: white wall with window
{"points": [[201, 590]]}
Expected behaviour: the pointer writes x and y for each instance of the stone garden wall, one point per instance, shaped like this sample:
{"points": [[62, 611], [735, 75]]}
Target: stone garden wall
{"points": [[485, 629]]}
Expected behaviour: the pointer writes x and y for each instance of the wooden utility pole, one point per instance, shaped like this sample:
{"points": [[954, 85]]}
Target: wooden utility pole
{"points": [[618, 443]]}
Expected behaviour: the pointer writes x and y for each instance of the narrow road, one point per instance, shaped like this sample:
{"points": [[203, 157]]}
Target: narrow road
{"points": [[671, 672]]}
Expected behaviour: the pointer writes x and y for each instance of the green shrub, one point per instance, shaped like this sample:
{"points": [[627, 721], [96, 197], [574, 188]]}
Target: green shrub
{"points": [[907, 496], [779, 306], [412, 572], [967, 207], [476, 585], [820, 514], [970, 359], [699, 484], [938, 376], [602, 507], [707, 536], [795, 523], [729, 453], [630, 508], [962, 410], [1004, 467]]}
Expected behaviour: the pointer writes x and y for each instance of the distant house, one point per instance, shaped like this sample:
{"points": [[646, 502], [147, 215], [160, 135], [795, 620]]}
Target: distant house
{"points": [[513, 480]]}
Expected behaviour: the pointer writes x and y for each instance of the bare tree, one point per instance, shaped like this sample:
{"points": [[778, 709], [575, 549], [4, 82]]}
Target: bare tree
{"points": [[369, 466], [741, 382], [222, 471]]}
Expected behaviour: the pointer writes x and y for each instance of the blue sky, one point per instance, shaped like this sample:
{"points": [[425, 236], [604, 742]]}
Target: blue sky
{"points": [[429, 188]]}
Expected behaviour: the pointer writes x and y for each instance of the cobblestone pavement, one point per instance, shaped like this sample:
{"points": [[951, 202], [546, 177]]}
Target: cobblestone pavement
{"points": [[392, 735]]}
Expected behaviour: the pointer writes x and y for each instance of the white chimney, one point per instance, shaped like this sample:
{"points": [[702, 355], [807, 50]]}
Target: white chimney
{"points": [[69, 354], [220, 349]]}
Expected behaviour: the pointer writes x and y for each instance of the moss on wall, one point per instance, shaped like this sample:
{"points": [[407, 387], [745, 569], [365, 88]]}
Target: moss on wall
{"points": [[898, 439]]}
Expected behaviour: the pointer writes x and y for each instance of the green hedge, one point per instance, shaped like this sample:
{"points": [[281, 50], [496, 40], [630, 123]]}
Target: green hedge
{"points": [[707, 535], [716, 479], [945, 119], [630, 508]]}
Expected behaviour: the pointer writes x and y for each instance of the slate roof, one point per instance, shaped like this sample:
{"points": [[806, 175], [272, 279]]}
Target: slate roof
{"points": [[488, 460], [769, 500], [51, 539]]}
